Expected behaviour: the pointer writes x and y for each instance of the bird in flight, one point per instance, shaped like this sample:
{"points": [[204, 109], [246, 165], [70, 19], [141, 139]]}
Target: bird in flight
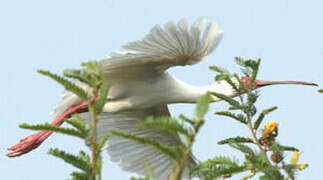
{"points": [[141, 87]]}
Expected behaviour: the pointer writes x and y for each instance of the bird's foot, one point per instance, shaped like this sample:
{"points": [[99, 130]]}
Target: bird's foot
{"points": [[28, 144], [33, 141]]}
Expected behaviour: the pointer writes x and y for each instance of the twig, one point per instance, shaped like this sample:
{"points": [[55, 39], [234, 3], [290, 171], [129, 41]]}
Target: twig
{"points": [[94, 132], [252, 129], [180, 164]]}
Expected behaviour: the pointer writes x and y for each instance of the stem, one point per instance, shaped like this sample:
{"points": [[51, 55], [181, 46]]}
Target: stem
{"points": [[252, 129], [180, 164], [94, 132]]}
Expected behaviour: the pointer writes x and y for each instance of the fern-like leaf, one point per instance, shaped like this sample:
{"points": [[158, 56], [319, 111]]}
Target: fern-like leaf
{"points": [[71, 159], [237, 139], [49, 127], [147, 141], [228, 99], [66, 83], [240, 118], [102, 98], [262, 116], [102, 143], [167, 124], [77, 122]]}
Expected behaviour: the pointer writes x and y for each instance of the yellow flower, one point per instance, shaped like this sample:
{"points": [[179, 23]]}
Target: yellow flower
{"points": [[302, 166], [294, 158], [269, 128]]}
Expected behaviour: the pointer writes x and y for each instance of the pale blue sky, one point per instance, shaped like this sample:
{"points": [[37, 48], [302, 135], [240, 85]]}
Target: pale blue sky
{"points": [[54, 35]]}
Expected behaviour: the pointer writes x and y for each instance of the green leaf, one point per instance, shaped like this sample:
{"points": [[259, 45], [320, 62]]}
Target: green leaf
{"points": [[98, 167], [77, 122], [219, 70], [276, 147], [147, 141], [76, 74], [149, 170], [237, 139], [320, 90], [262, 116], [202, 106], [252, 98], [102, 143], [139, 178], [254, 72], [243, 148], [241, 84], [66, 83], [248, 176], [166, 124], [264, 178], [218, 167], [186, 119], [102, 98], [80, 176], [71, 159], [244, 66], [93, 71], [240, 117], [49, 127], [228, 99]]}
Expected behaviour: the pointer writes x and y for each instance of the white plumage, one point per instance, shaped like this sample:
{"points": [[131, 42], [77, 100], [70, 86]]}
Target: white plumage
{"points": [[140, 87]]}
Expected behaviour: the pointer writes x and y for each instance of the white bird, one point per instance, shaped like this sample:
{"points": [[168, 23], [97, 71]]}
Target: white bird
{"points": [[141, 87]]}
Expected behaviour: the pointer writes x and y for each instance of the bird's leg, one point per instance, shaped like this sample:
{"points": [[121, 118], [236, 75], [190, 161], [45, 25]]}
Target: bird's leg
{"points": [[33, 141]]}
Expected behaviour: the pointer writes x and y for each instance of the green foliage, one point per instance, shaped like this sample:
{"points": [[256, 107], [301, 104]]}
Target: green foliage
{"points": [[256, 160], [49, 127], [133, 178], [223, 73], [202, 106], [81, 162], [249, 68], [262, 116], [171, 152], [276, 147], [320, 90], [92, 77], [102, 143], [77, 122], [237, 139], [148, 171], [218, 167], [168, 124], [102, 98], [66, 83], [235, 104], [79, 176], [239, 117]]}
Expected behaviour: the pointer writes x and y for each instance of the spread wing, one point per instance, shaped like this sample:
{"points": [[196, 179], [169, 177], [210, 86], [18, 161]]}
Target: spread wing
{"points": [[164, 47], [132, 156]]}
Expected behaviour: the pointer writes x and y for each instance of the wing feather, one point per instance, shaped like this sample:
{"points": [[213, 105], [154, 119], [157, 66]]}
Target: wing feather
{"points": [[167, 46], [131, 155]]}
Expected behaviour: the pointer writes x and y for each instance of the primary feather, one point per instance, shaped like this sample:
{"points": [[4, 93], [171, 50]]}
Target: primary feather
{"points": [[173, 45]]}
